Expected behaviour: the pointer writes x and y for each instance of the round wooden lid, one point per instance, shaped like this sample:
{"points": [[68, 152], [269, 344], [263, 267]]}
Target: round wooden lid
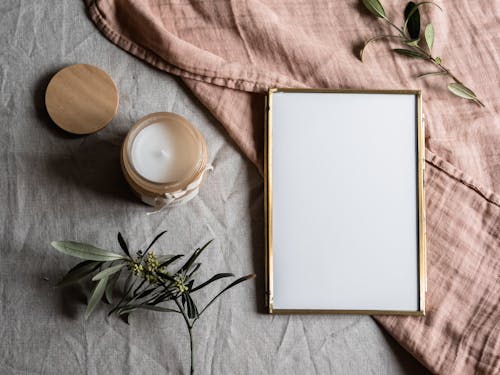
{"points": [[81, 99]]}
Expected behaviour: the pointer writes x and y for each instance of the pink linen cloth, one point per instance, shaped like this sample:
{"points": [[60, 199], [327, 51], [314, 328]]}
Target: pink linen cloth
{"points": [[230, 52]]}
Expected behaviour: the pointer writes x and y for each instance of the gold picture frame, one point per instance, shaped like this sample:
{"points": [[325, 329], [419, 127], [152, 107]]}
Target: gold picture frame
{"points": [[268, 206]]}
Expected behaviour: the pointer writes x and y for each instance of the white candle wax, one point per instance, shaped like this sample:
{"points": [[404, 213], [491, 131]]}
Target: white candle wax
{"points": [[162, 152]]}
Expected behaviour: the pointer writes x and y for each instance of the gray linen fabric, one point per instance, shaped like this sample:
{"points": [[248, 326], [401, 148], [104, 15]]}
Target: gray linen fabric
{"points": [[55, 186]]}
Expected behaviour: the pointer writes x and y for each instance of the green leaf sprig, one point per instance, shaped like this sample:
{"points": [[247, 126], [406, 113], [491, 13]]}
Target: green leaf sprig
{"points": [[150, 282], [412, 40]]}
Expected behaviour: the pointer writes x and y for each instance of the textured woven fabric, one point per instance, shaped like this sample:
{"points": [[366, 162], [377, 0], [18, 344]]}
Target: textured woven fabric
{"points": [[229, 52], [460, 332]]}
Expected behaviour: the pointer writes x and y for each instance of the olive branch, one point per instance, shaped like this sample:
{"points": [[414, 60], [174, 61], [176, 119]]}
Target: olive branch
{"points": [[410, 37], [149, 284]]}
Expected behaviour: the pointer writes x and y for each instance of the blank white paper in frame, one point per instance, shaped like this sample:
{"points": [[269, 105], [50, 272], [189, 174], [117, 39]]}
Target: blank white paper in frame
{"points": [[345, 215]]}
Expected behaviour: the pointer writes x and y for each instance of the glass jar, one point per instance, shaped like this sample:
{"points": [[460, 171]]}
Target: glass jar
{"points": [[164, 159]]}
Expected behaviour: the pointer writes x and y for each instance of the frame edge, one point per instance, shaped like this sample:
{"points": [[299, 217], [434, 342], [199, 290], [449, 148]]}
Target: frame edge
{"points": [[422, 254]]}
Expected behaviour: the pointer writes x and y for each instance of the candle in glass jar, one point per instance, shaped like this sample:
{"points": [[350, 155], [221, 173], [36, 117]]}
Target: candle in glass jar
{"points": [[161, 152], [164, 159]]}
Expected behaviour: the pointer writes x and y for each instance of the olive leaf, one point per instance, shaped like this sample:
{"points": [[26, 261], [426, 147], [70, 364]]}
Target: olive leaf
{"points": [[374, 7], [413, 8], [158, 308], [412, 20], [108, 272], [144, 293], [96, 296], [234, 283], [413, 43], [127, 310], [378, 37], [193, 257], [108, 293], [123, 244], [462, 91], [78, 272], [429, 35], [192, 310], [85, 251], [409, 53], [432, 74], [211, 280], [153, 242], [170, 260], [132, 308]]}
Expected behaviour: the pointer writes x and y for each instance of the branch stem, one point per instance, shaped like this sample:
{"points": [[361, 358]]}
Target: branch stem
{"points": [[189, 327], [394, 26], [191, 371]]}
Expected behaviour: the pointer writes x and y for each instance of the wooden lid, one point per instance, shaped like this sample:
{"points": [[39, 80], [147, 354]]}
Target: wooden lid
{"points": [[81, 99]]}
